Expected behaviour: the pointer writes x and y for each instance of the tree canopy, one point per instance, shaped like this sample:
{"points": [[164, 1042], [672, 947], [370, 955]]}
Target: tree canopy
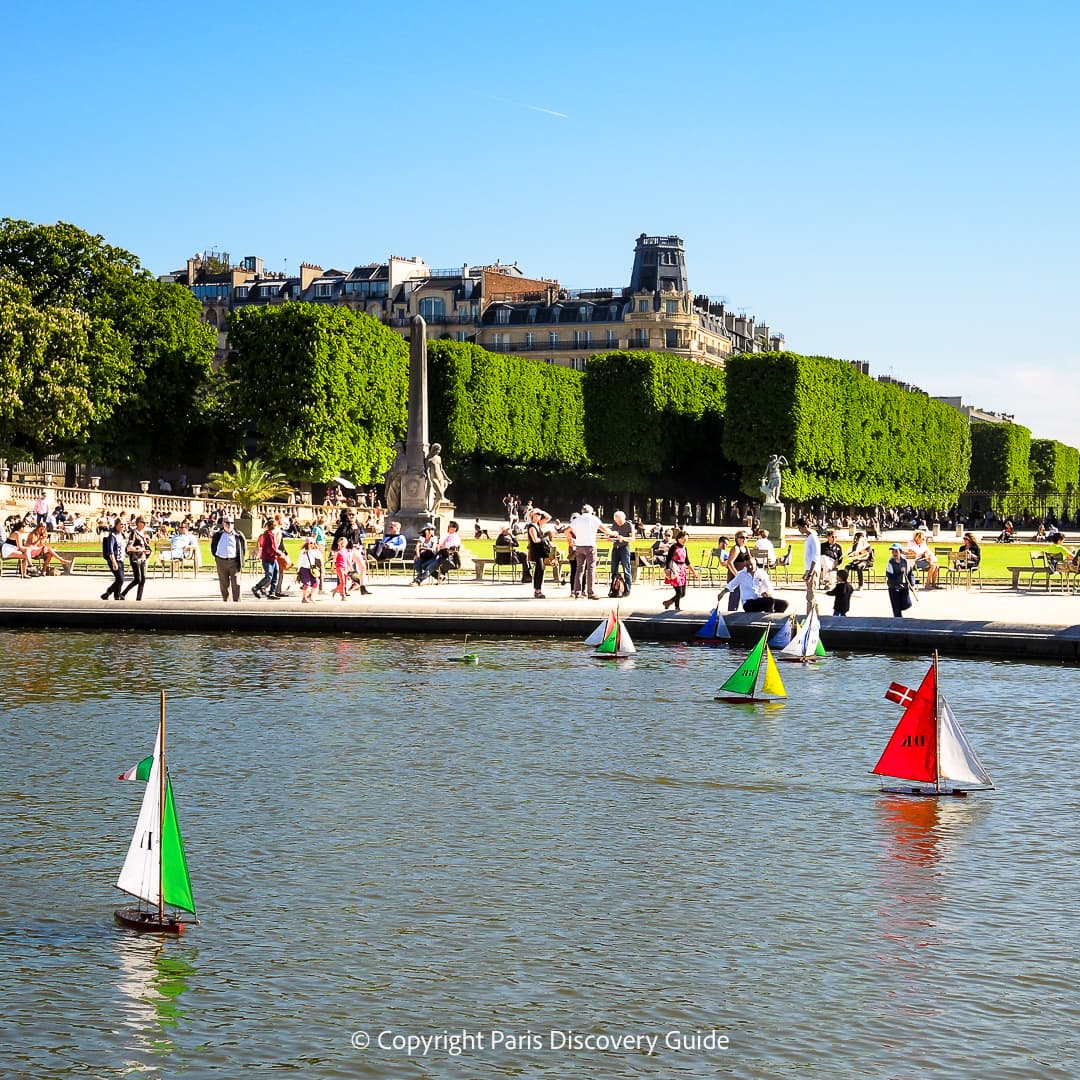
{"points": [[132, 351], [324, 389]]}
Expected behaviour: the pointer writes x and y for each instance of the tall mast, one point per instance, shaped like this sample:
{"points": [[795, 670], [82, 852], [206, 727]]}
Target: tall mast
{"points": [[161, 816], [937, 727]]}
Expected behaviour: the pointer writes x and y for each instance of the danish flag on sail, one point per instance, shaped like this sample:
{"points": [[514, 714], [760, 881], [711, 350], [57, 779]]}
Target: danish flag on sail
{"points": [[902, 695], [911, 753]]}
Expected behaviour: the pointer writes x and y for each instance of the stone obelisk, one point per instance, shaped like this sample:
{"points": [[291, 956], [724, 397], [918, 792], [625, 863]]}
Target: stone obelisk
{"points": [[413, 512]]}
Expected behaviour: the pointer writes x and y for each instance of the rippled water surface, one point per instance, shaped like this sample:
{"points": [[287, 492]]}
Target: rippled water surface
{"points": [[382, 841]]}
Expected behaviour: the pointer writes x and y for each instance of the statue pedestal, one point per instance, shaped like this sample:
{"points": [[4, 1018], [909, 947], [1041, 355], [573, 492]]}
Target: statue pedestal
{"points": [[412, 524], [773, 517]]}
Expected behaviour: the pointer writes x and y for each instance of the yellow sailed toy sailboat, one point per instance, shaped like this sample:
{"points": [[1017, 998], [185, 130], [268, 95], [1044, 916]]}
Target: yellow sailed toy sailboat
{"points": [[742, 684]]}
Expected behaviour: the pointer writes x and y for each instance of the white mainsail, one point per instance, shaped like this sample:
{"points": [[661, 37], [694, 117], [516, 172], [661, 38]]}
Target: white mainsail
{"points": [[141, 873], [626, 645], [804, 643], [957, 761]]}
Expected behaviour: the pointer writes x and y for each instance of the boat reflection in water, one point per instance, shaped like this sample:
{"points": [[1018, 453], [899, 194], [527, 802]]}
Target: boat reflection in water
{"points": [[922, 844], [151, 978]]}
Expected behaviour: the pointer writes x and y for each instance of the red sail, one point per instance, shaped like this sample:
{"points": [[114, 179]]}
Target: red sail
{"points": [[912, 751]]}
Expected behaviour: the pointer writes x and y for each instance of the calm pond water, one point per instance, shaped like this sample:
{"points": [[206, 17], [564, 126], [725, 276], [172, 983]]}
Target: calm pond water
{"points": [[547, 852]]}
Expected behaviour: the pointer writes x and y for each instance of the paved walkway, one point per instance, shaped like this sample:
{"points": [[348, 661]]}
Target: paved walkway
{"points": [[989, 621]]}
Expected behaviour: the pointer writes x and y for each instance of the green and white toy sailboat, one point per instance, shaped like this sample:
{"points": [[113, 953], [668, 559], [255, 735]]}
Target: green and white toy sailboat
{"points": [[616, 641], [742, 685], [806, 644], [155, 870]]}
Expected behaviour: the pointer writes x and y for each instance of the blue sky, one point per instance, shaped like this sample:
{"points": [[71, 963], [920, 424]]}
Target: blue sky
{"points": [[895, 184]]}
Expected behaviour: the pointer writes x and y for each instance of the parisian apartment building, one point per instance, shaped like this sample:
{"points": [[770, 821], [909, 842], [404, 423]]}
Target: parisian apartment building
{"points": [[499, 307]]}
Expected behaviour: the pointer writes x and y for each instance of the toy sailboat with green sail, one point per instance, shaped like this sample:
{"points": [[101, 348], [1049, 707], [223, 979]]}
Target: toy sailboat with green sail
{"points": [[155, 871], [742, 685], [616, 640]]}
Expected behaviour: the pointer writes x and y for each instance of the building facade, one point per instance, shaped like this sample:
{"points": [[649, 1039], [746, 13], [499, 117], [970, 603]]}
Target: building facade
{"points": [[500, 308]]}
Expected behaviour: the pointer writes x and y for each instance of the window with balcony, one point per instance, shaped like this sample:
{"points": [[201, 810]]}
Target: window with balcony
{"points": [[671, 307], [582, 339], [553, 339], [530, 340], [671, 339], [641, 338], [432, 308], [643, 307], [610, 339]]}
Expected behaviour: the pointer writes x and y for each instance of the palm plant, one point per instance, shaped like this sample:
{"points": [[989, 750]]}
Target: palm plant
{"points": [[249, 484]]}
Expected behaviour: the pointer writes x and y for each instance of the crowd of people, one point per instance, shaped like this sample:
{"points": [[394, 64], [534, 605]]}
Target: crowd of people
{"points": [[341, 553]]}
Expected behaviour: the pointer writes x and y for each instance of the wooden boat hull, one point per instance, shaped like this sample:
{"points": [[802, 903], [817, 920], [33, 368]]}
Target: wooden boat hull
{"points": [[931, 793], [748, 701], [148, 922]]}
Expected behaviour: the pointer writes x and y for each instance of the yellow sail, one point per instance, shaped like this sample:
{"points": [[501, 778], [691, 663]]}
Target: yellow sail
{"points": [[772, 683]]}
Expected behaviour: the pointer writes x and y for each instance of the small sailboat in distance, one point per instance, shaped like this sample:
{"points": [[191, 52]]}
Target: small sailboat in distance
{"points": [[806, 644], [715, 629], [466, 657], [155, 870], [617, 641], [743, 683], [928, 747]]}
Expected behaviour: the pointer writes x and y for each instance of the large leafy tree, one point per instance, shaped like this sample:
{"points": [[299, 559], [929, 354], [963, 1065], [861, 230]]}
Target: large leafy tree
{"points": [[147, 359], [324, 389], [61, 372]]}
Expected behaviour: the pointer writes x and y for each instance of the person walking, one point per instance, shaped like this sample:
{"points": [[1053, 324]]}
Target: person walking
{"points": [[307, 565], [539, 549], [841, 593], [675, 570], [229, 549], [341, 568], [269, 553], [138, 551], [900, 580], [112, 550]]}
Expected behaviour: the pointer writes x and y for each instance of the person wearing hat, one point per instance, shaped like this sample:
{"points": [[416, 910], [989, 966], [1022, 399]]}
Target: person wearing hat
{"points": [[427, 554], [899, 580], [229, 549]]}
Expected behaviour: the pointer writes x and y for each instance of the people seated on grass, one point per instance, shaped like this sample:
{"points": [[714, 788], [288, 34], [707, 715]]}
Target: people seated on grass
{"points": [[860, 557], [922, 558], [391, 546], [507, 553]]}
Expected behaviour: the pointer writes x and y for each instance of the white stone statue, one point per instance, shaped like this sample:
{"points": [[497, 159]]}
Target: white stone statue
{"points": [[438, 481], [770, 482]]}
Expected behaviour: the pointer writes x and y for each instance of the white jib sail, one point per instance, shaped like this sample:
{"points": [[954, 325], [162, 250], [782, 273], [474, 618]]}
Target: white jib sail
{"points": [[141, 873], [957, 760], [626, 645], [804, 643], [598, 634]]}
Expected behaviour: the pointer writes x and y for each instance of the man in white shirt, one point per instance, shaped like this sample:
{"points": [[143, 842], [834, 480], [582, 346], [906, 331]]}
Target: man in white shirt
{"points": [[755, 589], [586, 526], [183, 544], [811, 562]]}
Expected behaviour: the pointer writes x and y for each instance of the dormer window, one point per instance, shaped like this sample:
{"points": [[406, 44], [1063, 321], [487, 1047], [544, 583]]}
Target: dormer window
{"points": [[502, 316], [556, 312], [240, 292], [532, 314], [323, 289]]}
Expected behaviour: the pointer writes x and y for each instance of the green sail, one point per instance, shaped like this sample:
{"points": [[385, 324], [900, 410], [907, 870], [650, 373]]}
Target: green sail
{"points": [[611, 643], [175, 883], [743, 681]]}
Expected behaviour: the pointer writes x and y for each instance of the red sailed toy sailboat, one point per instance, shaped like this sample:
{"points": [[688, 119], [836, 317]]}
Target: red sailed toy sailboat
{"points": [[929, 748]]}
